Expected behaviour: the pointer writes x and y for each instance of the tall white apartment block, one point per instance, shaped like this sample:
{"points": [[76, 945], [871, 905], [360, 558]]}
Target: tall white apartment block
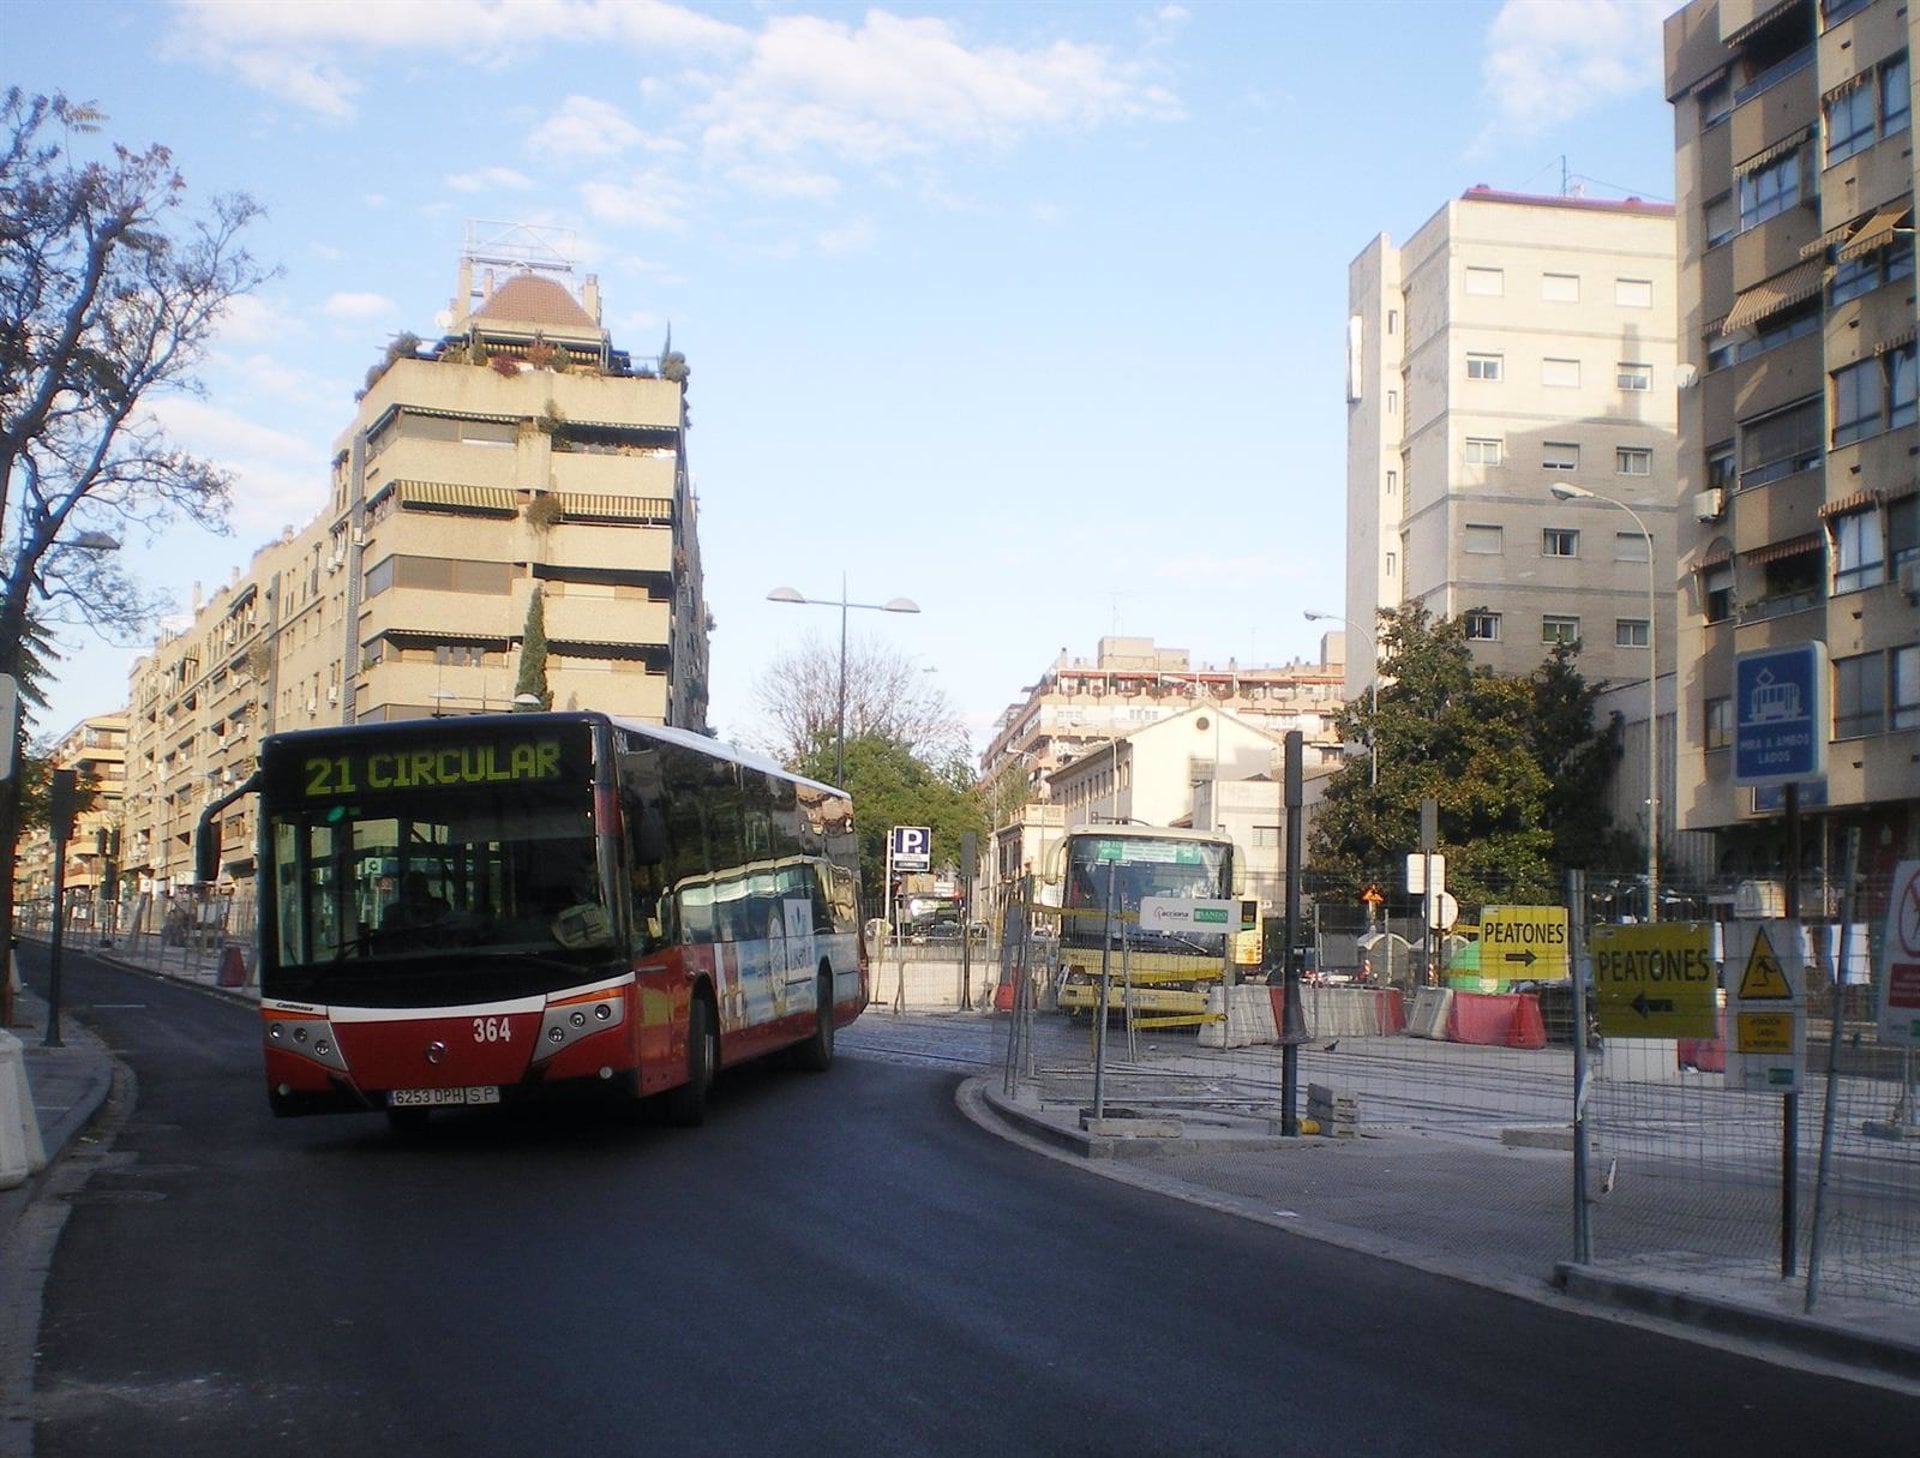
{"points": [[1515, 343]]}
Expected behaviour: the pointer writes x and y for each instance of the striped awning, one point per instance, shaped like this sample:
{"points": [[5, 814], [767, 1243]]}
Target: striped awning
{"points": [[1783, 290], [1762, 18], [454, 496], [1846, 504], [1792, 547], [1899, 341], [1832, 238], [607, 507], [1718, 555], [1772, 154], [1877, 233], [1846, 88]]}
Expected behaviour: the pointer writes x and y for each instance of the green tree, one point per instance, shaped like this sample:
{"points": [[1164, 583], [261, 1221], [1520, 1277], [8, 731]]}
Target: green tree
{"points": [[532, 678], [110, 293], [891, 786], [1515, 765]]}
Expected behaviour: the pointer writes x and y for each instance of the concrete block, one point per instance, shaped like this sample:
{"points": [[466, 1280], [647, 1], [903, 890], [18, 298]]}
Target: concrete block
{"points": [[22, 1154]]}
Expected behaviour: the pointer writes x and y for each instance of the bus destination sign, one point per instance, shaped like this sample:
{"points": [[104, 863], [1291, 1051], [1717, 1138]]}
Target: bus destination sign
{"points": [[430, 767]]}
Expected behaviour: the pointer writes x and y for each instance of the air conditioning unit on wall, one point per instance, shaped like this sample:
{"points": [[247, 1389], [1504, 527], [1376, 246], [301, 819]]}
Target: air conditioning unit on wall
{"points": [[1710, 505], [1910, 580]]}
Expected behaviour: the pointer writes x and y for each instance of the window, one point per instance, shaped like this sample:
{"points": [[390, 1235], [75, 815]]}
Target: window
{"points": [[1482, 451], [1903, 531], [1393, 402], [1564, 373], [1630, 633], [1768, 191], [1874, 395], [1791, 583], [1850, 122], [1629, 547], [1780, 443], [1393, 564], [1859, 550], [1778, 329], [1481, 541], [1559, 542], [1905, 683], [1633, 461], [1721, 219], [1483, 627], [1559, 630], [1716, 592], [1719, 723], [1633, 293], [1896, 99], [1559, 455], [1393, 321], [1560, 288], [1856, 401], [1862, 275], [1720, 349], [1859, 696], [1715, 100], [1393, 482], [1486, 283], [1720, 470], [1634, 376], [1483, 366]]}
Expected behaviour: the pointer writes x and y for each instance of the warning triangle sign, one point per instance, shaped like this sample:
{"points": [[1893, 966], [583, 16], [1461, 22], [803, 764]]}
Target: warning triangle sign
{"points": [[1764, 981]]}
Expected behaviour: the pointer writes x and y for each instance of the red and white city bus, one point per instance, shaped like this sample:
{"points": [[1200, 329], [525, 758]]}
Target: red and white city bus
{"points": [[477, 910]]}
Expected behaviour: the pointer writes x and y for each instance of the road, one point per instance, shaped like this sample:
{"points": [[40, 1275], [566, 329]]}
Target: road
{"points": [[837, 1264]]}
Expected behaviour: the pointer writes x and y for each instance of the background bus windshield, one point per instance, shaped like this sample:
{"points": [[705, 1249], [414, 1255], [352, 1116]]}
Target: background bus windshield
{"points": [[1139, 867]]}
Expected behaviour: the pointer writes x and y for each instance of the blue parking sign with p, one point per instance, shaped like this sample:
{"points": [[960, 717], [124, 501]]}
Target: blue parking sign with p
{"points": [[912, 848]]}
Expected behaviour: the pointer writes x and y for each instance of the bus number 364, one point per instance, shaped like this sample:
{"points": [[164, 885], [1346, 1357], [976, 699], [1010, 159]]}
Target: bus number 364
{"points": [[492, 1030]]}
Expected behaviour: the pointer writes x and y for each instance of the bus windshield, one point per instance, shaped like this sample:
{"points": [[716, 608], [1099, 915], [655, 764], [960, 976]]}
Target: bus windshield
{"points": [[1139, 866], [479, 849]]}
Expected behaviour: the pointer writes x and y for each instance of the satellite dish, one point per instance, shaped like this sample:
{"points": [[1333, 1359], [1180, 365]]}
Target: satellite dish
{"points": [[444, 318]]}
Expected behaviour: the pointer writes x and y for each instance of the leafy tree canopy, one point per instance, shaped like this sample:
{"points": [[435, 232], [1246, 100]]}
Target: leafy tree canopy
{"points": [[1516, 766]]}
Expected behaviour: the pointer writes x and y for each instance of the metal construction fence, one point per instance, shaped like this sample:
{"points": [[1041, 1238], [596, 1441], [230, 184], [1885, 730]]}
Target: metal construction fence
{"points": [[1686, 1169]]}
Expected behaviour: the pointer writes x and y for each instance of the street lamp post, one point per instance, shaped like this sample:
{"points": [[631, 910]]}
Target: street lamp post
{"points": [[1373, 691], [1567, 491], [895, 605]]}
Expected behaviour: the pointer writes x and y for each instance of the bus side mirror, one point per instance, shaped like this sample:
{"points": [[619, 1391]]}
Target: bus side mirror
{"points": [[206, 853], [650, 841]]}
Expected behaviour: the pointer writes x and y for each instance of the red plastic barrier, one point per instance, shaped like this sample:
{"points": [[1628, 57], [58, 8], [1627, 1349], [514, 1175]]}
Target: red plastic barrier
{"points": [[1277, 998], [1496, 1020], [1707, 1055], [1003, 997], [1390, 1011]]}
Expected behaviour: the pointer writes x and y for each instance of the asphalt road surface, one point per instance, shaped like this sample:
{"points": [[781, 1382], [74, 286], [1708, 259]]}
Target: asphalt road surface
{"points": [[837, 1264]]}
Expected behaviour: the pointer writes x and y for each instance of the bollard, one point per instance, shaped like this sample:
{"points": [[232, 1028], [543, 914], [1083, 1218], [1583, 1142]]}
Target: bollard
{"points": [[233, 968], [22, 1153]]}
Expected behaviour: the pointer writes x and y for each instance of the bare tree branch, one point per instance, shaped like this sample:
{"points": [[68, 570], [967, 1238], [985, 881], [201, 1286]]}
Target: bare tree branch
{"points": [[888, 697]]}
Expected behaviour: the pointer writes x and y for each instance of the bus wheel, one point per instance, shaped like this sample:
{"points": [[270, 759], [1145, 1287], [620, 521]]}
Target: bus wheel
{"points": [[408, 1124], [687, 1104], [816, 1054]]}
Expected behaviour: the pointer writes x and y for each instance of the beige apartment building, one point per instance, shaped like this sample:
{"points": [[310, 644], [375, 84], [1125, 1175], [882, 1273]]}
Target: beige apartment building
{"points": [[1514, 344], [95, 749], [520, 456], [1800, 427]]}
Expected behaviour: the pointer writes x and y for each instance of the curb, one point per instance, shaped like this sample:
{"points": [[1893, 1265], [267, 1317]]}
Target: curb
{"points": [[1805, 1334]]}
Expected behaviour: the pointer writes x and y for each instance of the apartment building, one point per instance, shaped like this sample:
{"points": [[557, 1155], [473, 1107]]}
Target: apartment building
{"points": [[1800, 429], [95, 749], [1512, 345], [519, 456], [1076, 706]]}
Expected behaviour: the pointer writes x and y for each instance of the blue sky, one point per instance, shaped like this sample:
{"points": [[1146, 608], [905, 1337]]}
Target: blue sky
{"points": [[1031, 313]]}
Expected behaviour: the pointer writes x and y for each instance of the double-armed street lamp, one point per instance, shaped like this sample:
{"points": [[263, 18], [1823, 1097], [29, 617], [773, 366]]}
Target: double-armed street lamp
{"points": [[895, 605], [1373, 691], [1567, 491]]}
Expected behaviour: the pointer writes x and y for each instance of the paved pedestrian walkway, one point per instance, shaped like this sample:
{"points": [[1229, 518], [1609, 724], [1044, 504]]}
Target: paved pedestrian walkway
{"points": [[1456, 1207]]}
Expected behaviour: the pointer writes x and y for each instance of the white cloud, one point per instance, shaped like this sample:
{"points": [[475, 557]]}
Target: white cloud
{"points": [[251, 319], [584, 127], [278, 476], [490, 179], [895, 87], [856, 236], [645, 203], [1549, 61], [291, 49], [359, 306]]}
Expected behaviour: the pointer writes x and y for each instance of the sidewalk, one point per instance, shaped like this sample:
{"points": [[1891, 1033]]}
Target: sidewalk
{"points": [[1462, 1209], [69, 1084]]}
